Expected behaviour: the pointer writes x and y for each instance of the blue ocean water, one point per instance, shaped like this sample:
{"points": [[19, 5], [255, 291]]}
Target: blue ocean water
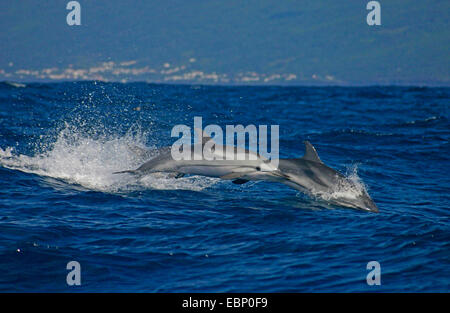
{"points": [[59, 201]]}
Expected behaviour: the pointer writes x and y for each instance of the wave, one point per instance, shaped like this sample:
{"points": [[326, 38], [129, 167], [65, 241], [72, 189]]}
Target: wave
{"points": [[14, 84]]}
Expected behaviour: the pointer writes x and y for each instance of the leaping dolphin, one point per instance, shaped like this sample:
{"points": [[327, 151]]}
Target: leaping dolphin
{"points": [[307, 174], [231, 164]]}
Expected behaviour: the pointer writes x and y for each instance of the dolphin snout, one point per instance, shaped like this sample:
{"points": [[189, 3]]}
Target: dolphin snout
{"points": [[373, 209], [370, 204]]}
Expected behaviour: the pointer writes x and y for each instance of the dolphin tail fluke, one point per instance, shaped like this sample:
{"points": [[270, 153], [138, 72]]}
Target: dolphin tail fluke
{"points": [[134, 172], [175, 175]]}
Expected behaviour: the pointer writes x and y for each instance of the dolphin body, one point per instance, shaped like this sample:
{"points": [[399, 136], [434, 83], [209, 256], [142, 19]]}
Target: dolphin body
{"points": [[310, 175], [232, 164], [307, 174]]}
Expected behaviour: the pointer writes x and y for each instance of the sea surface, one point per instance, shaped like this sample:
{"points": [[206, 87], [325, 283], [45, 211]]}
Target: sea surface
{"points": [[60, 202]]}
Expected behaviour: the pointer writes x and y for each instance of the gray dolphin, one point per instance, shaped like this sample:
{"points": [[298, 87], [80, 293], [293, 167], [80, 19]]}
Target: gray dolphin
{"points": [[310, 175], [307, 174], [231, 164]]}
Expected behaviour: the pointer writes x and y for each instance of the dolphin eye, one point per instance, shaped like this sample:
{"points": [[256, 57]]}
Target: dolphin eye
{"points": [[258, 168]]}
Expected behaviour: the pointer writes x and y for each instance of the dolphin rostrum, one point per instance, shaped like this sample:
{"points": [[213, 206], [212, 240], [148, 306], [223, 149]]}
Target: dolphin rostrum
{"points": [[307, 174]]}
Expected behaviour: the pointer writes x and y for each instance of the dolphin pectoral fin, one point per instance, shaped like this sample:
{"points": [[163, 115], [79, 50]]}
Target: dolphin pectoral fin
{"points": [[240, 181], [232, 175], [311, 153]]}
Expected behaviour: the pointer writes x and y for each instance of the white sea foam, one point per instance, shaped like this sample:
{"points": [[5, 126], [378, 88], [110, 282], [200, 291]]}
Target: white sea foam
{"points": [[350, 188], [90, 162]]}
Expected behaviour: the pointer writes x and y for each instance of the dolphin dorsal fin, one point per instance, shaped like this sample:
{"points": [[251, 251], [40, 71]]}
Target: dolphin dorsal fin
{"points": [[311, 153], [203, 135]]}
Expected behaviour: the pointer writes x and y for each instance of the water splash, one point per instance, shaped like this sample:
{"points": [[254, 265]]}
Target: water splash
{"points": [[350, 188], [90, 161]]}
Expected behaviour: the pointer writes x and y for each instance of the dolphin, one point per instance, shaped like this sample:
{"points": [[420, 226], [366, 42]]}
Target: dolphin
{"points": [[310, 175], [230, 164], [307, 174]]}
